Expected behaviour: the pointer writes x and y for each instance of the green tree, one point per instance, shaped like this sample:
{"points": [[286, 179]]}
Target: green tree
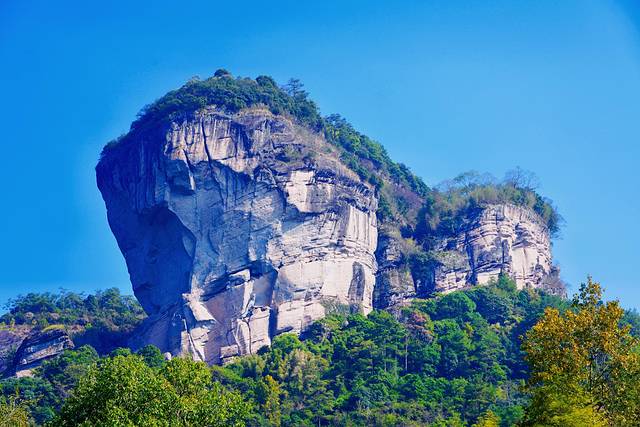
{"points": [[152, 356], [64, 371], [584, 365], [488, 419], [124, 391], [270, 396], [13, 413]]}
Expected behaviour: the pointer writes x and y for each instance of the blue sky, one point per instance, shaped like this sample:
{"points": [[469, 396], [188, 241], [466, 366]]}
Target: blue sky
{"points": [[446, 86]]}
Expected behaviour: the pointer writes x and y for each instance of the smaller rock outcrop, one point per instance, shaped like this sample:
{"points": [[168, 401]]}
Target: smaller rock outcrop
{"points": [[38, 347], [497, 239], [10, 340]]}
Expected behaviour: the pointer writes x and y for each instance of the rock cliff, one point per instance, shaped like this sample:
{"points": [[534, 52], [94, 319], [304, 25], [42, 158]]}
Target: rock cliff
{"points": [[496, 239], [236, 228], [38, 347], [10, 340]]}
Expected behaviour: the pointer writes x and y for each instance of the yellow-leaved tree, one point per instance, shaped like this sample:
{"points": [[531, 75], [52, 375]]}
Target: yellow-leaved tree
{"points": [[585, 366]]}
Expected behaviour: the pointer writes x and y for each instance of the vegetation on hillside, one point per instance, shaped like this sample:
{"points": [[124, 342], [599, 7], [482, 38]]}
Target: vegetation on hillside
{"points": [[454, 360], [447, 208], [231, 95], [127, 390], [444, 361], [103, 319], [70, 308]]}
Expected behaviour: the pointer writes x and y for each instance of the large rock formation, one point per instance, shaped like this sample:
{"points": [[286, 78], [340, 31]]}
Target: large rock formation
{"points": [[236, 228]]}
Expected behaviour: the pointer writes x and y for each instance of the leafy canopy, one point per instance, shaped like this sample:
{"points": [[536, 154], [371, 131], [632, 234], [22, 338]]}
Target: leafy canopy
{"points": [[125, 391], [584, 364]]}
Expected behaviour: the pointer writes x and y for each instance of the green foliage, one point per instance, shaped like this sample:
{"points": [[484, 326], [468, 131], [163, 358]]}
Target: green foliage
{"points": [[124, 390], [152, 356], [231, 95], [489, 419], [36, 395], [43, 394], [444, 361], [584, 365], [447, 209], [64, 371], [368, 158], [102, 320], [69, 308], [452, 360], [13, 413]]}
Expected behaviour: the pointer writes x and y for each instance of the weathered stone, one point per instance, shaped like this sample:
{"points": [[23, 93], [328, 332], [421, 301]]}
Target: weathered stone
{"points": [[239, 227], [38, 347], [235, 229], [394, 283], [497, 239], [10, 340]]}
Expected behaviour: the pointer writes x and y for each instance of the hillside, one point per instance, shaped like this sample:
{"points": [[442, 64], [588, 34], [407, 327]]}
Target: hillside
{"points": [[38, 326], [446, 361], [450, 358]]}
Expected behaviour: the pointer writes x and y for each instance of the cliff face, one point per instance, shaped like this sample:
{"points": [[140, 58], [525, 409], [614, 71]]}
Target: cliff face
{"points": [[10, 341], [496, 239], [38, 347], [236, 228]]}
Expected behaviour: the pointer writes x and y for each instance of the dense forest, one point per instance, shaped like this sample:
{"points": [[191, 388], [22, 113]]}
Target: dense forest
{"points": [[488, 356]]}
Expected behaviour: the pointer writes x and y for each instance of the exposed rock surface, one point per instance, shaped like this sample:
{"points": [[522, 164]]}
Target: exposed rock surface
{"points": [[10, 340], [236, 228], [394, 282], [497, 239], [38, 347]]}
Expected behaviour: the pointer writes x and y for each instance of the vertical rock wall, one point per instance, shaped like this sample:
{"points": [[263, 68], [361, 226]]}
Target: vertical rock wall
{"points": [[237, 228], [497, 239]]}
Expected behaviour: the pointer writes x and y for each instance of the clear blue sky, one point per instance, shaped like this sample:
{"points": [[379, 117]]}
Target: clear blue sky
{"points": [[446, 86]]}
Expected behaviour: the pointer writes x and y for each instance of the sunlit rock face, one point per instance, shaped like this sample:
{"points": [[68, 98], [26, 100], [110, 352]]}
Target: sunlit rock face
{"points": [[236, 228], [497, 239], [239, 227]]}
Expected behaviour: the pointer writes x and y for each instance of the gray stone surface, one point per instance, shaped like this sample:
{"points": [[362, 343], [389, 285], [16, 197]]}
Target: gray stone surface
{"points": [[38, 347], [498, 239], [236, 228]]}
